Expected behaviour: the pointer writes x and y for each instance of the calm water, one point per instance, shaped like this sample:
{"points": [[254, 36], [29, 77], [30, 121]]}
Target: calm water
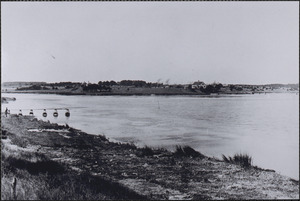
{"points": [[263, 126]]}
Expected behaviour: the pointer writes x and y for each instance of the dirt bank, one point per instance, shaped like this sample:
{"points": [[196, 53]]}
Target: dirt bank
{"points": [[148, 173]]}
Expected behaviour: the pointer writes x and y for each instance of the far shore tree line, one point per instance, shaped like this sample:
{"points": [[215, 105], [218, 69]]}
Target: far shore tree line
{"points": [[107, 86]]}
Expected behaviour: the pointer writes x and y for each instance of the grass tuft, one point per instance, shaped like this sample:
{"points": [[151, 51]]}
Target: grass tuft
{"points": [[179, 151], [243, 160]]}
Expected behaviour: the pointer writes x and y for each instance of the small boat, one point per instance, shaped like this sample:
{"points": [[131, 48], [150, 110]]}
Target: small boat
{"points": [[20, 113], [31, 112]]}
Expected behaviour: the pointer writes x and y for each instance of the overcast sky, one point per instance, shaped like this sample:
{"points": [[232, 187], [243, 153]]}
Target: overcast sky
{"points": [[227, 42]]}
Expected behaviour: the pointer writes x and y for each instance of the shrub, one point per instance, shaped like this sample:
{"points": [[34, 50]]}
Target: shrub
{"points": [[187, 151], [191, 152], [145, 151], [129, 145], [148, 151]]}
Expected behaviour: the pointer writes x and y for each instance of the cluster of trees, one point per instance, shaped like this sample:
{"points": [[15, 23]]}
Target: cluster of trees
{"points": [[211, 88], [135, 83], [55, 85], [106, 85], [233, 87], [95, 87], [139, 83], [62, 84], [91, 87]]}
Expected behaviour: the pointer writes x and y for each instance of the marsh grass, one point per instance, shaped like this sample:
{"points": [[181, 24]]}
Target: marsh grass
{"points": [[243, 160], [39, 178], [187, 151], [62, 186], [21, 142], [43, 166]]}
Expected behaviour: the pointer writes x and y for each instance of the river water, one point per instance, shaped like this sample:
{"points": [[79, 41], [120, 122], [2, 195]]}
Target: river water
{"points": [[265, 126]]}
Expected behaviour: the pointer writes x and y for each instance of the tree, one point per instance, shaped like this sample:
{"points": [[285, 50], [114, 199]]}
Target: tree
{"points": [[209, 89], [218, 87], [111, 83], [190, 88]]}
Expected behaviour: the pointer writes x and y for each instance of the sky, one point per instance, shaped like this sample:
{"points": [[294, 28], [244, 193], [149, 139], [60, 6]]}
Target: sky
{"points": [[175, 42]]}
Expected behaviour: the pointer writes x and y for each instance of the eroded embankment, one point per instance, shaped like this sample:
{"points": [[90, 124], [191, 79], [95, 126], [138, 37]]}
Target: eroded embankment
{"points": [[133, 173]]}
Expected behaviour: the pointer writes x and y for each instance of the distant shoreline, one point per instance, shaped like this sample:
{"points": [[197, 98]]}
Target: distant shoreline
{"points": [[142, 94], [142, 88]]}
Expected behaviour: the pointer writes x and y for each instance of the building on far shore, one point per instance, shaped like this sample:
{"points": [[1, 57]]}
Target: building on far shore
{"points": [[198, 85]]}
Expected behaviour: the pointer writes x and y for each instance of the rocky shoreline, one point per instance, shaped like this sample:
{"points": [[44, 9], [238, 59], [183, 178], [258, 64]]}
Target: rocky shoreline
{"points": [[146, 173]]}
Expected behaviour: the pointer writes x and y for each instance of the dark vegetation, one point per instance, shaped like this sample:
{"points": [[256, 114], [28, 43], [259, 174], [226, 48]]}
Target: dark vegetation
{"points": [[211, 88], [35, 168], [54, 181], [243, 160], [148, 151], [106, 86], [125, 86], [3, 134], [95, 87], [145, 151], [187, 151], [94, 185]]}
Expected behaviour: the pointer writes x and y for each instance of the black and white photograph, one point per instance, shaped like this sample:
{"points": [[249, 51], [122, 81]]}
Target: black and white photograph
{"points": [[149, 100]]}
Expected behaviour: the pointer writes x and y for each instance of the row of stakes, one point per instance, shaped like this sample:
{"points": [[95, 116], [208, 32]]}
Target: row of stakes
{"points": [[55, 113]]}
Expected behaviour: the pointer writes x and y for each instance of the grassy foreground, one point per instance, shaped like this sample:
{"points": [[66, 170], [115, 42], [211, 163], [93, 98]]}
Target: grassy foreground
{"points": [[44, 161]]}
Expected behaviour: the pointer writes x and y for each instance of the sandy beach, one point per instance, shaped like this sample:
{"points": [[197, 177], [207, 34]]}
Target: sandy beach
{"points": [[127, 171]]}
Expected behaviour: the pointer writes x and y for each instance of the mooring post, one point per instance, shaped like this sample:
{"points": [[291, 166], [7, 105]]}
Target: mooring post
{"points": [[14, 186]]}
